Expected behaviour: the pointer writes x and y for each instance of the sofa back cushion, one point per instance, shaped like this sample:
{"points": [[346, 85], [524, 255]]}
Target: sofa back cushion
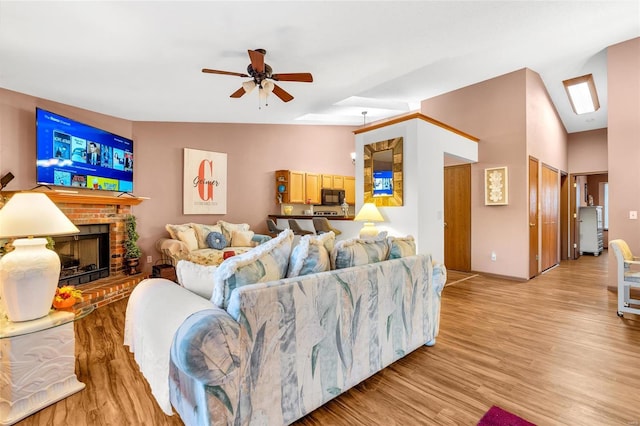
{"points": [[360, 251], [308, 257], [401, 247], [267, 262], [228, 228], [203, 231]]}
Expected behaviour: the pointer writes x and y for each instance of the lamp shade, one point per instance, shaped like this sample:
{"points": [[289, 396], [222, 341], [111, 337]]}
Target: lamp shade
{"points": [[369, 213], [33, 214]]}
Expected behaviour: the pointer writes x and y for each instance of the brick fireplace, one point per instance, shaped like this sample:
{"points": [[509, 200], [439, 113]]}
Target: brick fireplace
{"points": [[98, 210]]}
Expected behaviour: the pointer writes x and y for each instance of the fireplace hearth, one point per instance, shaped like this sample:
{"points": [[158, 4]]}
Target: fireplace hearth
{"points": [[84, 257]]}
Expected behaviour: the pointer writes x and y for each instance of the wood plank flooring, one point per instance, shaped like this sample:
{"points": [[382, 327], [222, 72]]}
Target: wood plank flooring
{"points": [[551, 350]]}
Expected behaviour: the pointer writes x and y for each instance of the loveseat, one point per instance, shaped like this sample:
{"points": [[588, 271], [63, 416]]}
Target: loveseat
{"points": [[195, 242], [269, 353]]}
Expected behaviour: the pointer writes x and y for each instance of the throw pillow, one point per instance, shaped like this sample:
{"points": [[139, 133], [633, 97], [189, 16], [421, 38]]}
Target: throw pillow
{"points": [[360, 251], [267, 262], [188, 236], [203, 231], [401, 247], [196, 278], [241, 238], [328, 239], [174, 229], [216, 240], [228, 228], [308, 257]]}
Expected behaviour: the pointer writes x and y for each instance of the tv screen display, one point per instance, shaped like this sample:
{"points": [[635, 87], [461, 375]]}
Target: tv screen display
{"points": [[73, 154], [382, 183]]}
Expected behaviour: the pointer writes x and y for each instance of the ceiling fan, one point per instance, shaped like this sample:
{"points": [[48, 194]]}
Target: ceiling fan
{"points": [[261, 74]]}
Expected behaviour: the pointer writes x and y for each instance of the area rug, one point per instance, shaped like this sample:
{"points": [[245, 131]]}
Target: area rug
{"points": [[496, 416]]}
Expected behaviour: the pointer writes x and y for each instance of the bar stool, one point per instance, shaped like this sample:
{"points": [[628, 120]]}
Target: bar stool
{"points": [[297, 230], [322, 225]]}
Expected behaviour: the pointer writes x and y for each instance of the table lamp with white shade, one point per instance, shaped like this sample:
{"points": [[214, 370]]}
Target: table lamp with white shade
{"points": [[368, 214], [29, 274]]}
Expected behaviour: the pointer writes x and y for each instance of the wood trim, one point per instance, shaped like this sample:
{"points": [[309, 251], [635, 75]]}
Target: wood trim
{"points": [[80, 198], [411, 116]]}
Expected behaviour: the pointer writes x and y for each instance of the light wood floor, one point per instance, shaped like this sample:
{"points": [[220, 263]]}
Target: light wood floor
{"points": [[551, 350]]}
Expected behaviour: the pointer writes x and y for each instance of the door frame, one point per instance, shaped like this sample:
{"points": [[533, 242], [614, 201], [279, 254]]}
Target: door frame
{"points": [[534, 225]]}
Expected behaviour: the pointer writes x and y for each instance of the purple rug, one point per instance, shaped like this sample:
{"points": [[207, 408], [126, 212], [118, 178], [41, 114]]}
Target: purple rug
{"points": [[496, 416]]}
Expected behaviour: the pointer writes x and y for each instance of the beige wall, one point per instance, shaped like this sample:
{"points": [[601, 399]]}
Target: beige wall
{"points": [[588, 152], [623, 62], [254, 152]]}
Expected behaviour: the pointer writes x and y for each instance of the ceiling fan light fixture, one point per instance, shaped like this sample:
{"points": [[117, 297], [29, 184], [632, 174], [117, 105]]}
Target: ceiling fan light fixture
{"points": [[248, 86], [267, 86]]}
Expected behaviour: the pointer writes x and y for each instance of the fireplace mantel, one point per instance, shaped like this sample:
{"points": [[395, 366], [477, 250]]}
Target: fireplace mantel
{"points": [[84, 198]]}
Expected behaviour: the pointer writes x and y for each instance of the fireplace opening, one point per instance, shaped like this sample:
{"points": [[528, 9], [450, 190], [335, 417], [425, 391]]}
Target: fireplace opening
{"points": [[84, 257]]}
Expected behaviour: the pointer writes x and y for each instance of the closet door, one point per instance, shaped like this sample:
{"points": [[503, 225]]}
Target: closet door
{"points": [[457, 217], [550, 200], [534, 238]]}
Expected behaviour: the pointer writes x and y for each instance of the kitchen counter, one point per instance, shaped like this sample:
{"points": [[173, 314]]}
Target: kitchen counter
{"points": [[309, 217]]}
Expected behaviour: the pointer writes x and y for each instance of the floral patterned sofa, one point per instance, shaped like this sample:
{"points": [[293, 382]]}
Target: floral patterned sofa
{"points": [[271, 351], [192, 241]]}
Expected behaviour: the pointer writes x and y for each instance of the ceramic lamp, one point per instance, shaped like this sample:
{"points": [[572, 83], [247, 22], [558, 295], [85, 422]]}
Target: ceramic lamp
{"points": [[29, 274], [368, 214]]}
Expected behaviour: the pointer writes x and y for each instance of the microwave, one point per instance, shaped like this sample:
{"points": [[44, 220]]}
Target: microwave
{"points": [[332, 197]]}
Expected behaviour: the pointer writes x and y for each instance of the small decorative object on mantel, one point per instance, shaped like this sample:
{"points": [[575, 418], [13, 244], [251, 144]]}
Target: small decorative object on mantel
{"points": [[496, 187], [132, 251], [66, 297]]}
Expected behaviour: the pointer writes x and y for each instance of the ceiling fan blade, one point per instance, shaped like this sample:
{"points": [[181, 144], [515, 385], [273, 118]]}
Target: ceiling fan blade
{"points": [[237, 74], [303, 77], [257, 60], [281, 93], [238, 93]]}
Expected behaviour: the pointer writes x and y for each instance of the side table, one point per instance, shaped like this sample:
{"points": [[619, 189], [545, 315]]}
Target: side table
{"points": [[37, 363]]}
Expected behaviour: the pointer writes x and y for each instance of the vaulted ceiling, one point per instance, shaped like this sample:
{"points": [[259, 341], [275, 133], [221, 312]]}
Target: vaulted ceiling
{"points": [[142, 60]]}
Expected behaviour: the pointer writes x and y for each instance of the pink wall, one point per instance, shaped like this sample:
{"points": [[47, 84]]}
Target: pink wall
{"points": [[254, 153], [494, 111], [546, 135], [588, 152], [514, 117], [18, 133], [623, 62]]}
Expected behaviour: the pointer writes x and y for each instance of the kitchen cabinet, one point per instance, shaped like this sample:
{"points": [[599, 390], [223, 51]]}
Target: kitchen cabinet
{"points": [[312, 187], [290, 187], [333, 181], [350, 190], [294, 187]]}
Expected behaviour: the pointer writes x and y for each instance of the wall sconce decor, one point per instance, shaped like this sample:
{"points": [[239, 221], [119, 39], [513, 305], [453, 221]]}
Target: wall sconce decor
{"points": [[496, 186]]}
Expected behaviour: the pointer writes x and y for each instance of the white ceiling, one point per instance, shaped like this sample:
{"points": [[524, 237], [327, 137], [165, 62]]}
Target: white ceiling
{"points": [[141, 60]]}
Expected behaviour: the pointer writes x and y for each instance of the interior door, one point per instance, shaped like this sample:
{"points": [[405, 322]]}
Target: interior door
{"points": [[457, 217], [550, 200], [533, 218], [574, 222]]}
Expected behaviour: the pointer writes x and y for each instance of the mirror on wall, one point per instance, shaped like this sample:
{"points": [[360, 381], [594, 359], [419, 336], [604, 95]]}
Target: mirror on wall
{"points": [[383, 178]]}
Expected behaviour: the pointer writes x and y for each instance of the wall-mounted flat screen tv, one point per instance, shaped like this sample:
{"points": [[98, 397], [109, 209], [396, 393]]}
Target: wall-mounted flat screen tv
{"points": [[73, 154], [382, 183]]}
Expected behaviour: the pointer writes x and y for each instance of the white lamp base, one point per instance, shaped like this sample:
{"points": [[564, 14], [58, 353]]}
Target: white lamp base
{"points": [[368, 230], [28, 279]]}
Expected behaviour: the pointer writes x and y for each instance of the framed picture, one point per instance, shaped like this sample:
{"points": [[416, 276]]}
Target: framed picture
{"points": [[496, 186], [204, 182]]}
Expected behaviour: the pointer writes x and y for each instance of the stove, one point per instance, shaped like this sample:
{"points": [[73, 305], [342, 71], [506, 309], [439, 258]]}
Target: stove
{"points": [[325, 213]]}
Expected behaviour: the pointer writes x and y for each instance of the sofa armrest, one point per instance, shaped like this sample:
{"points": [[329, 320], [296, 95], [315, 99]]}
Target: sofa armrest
{"points": [[173, 249], [205, 369], [259, 239]]}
